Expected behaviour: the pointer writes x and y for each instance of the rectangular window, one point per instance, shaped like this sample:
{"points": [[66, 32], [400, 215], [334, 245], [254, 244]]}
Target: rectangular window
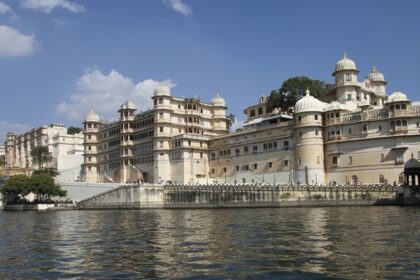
{"points": [[380, 127], [316, 117], [224, 169], [255, 149], [286, 163], [348, 97], [237, 151], [286, 145], [382, 157], [246, 149], [350, 160], [212, 171], [348, 78], [255, 166], [237, 168], [161, 129], [265, 146], [270, 164]]}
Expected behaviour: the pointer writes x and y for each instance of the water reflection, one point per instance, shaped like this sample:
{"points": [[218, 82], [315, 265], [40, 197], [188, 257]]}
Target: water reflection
{"points": [[314, 243]]}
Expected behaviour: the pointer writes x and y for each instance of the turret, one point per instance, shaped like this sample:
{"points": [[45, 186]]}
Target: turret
{"points": [[219, 113], [309, 143], [91, 128], [346, 84], [126, 142], [162, 137], [378, 83]]}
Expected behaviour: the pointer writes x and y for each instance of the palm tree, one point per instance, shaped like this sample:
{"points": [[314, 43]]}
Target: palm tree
{"points": [[40, 155]]}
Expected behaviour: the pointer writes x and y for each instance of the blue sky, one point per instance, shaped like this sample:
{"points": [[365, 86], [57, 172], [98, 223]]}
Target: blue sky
{"points": [[58, 58]]}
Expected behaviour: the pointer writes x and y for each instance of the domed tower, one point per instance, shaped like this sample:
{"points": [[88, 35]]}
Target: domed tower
{"points": [[162, 139], [346, 84], [91, 128], [10, 150], [126, 142], [219, 113], [309, 143], [377, 81]]}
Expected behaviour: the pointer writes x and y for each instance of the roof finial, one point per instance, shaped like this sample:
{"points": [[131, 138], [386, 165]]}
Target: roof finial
{"points": [[344, 55], [373, 68], [307, 92]]}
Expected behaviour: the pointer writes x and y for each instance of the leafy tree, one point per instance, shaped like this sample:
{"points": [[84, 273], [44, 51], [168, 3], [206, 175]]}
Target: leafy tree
{"points": [[17, 185], [44, 187], [230, 121], [73, 130], [40, 155], [293, 89], [49, 171]]}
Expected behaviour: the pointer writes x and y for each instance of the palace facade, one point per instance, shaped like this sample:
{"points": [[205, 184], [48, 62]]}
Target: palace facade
{"points": [[65, 149], [361, 135]]}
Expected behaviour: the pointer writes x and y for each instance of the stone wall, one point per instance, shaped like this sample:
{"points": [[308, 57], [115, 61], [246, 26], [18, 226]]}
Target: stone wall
{"points": [[217, 196]]}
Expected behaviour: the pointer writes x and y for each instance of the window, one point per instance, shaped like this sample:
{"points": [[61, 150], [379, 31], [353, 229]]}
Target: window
{"points": [[335, 160], [299, 118], [381, 179], [316, 132], [237, 168], [337, 114], [286, 163], [254, 149], [224, 169], [348, 78], [237, 151], [265, 146], [161, 115], [316, 117], [89, 158], [89, 168], [348, 97], [246, 149], [286, 145], [318, 159], [201, 155], [364, 128], [90, 137], [299, 161], [380, 128], [161, 129], [260, 111], [252, 114], [89, 148], [255, 165], [160, 144], [189, 143], [350, 160], [382, 157], [212, 171], [270, 164], [399, 158], [160, 100]]}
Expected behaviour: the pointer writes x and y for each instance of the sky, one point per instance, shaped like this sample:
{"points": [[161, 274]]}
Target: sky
{"points": [[59, 58]]}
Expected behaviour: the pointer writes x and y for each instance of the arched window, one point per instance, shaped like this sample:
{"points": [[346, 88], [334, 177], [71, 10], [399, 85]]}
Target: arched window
{"points": [[354, 180], [252, 113], [260, 111], [381, 179], [401, 178], [335, 160], [391, 107]]}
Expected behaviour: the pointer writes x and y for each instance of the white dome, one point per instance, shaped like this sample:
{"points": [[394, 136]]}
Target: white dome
{"points": [[345, 64], [309, 103], [334, 106], [162, 89], [128, 105], [218, 101], [92, 116], [375, 75], [397, 96]]}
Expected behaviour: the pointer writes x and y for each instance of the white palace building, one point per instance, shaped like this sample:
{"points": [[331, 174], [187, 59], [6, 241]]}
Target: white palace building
{"points": [[362, 135]]}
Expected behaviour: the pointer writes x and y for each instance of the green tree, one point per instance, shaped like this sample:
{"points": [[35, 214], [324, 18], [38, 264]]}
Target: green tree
{"points": [[293, 89], [73, 130], [40, 155], [49, 171], [44, 187], [230, 121], [17, 185]]}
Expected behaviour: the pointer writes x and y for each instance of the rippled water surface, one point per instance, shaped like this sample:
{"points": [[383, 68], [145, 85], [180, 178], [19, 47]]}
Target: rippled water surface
{"points": [[288, 243]]}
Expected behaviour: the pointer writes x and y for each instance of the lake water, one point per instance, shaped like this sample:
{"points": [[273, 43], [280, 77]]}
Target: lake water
{"points": [[287, 243]]}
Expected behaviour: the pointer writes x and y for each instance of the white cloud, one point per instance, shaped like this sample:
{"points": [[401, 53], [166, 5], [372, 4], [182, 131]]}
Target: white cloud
{"points": [[178, 6], [5, 9], [14, 43], [16, 128], [47, 6], [105, 93]]}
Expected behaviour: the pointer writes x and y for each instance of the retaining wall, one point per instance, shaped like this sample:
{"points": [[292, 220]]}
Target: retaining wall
{"points": [[221, 196]]}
